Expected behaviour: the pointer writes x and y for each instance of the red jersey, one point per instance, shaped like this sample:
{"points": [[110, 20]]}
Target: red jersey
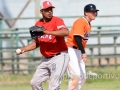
{"points": [[50, 44]]}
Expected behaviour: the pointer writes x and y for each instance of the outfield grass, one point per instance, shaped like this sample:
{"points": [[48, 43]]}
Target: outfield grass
{"points": [[107, 79]]}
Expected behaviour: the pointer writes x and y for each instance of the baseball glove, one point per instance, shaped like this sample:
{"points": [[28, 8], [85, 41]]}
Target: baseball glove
{"points": [[36, 31]]}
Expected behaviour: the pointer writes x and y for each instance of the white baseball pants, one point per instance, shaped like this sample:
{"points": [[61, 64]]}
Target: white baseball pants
{"points": [[76, 69]]}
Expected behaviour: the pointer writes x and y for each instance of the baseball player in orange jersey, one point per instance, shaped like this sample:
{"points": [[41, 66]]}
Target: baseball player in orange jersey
{"points": [[52, 47], [76, 43]]}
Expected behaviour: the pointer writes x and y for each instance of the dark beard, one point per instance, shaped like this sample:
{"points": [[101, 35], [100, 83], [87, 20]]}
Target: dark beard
{"points": [[47, 19]]}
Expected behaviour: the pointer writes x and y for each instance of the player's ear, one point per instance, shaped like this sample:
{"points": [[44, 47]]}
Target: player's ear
{"points": [[85, 13], [40, 11]]}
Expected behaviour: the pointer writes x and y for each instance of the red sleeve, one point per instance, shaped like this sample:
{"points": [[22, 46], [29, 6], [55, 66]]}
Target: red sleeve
{"points": [[36, 40], [60, 24]]}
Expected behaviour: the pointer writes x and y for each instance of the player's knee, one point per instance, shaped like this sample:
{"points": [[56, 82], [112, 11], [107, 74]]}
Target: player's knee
{"points": [[74, 83], [82, 80], [34, 83]]}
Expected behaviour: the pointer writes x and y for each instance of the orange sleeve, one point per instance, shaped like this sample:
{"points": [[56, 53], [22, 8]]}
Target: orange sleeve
{"points": [[79, 28]]}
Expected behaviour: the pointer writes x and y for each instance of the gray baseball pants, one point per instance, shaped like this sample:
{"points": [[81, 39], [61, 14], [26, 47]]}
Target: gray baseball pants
{"points": [[53, 69]]}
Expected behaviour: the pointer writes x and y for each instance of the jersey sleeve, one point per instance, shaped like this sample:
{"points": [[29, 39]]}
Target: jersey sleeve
{"points": [[79, 28], [60, 24], [36, 40], [37, 23]]}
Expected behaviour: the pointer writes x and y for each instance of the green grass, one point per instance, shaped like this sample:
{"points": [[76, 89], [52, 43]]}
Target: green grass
{"points": [[15, 82], [107, 79]]}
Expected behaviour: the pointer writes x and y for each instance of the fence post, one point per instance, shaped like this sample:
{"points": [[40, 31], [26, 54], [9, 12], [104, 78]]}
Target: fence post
{"points": [[37, 8], [1, 58], [92, 55], [29, 60], [115, 46], [12, 40], [108, 62], [99, 52], [18, 59]]}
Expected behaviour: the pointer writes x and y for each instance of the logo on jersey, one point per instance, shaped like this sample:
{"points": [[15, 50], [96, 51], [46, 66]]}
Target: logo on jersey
{"points": [[46, 36], [53, 68], [62, 26], [86, 35]]}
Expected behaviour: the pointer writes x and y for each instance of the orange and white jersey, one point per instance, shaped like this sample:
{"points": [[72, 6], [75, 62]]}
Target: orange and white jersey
{"points": [[82, 28]]}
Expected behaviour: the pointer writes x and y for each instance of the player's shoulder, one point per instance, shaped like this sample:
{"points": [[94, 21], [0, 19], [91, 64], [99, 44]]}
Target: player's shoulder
{"points": [[57, 18], [38, 22], [81, 19]]}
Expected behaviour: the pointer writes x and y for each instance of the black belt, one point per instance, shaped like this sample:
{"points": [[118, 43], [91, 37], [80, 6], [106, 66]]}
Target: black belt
{"points": [[53, 56], [75, 47]]}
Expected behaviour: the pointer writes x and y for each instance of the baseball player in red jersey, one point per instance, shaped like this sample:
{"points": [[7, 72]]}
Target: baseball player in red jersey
{"points": [[52, 47], [76, 43]]}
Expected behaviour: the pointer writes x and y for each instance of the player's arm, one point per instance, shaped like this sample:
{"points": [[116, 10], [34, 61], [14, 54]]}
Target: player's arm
{"points": [[29, 47], [61, 29], [62, 32], [78, 40]]}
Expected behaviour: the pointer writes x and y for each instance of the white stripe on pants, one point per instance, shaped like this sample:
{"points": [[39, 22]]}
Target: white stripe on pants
{"points": [[76, 68]]}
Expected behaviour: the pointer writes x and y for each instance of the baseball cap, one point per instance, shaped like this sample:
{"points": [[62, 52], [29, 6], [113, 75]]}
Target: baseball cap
{"points": [[46, 4]]}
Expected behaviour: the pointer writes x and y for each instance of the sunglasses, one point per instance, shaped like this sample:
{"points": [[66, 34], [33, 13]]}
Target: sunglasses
{"points": [[47, 9]]}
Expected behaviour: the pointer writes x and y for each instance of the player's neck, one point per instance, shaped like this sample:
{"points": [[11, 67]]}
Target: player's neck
{"points": [[87, 18], [46, 19]]}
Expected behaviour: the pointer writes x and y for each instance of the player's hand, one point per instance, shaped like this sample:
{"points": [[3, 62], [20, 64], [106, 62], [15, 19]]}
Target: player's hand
{"points": [[47, 32], [84, 57], [20, 51], [23, 50]]}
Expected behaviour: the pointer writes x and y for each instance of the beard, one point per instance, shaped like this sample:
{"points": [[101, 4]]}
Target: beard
{"points": [[48, 17]]}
